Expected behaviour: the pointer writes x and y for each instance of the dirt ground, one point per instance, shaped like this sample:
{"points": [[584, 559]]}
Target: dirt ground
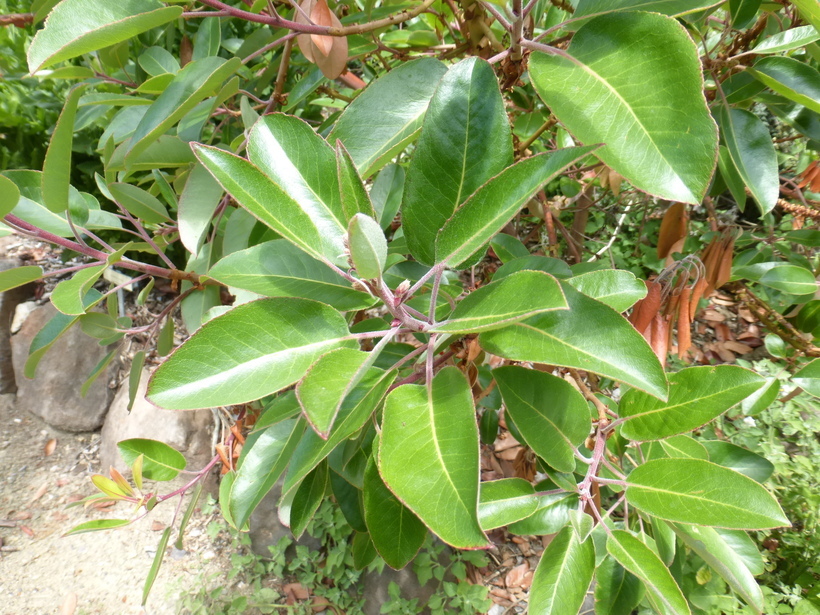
{"points": [[43, 572]]}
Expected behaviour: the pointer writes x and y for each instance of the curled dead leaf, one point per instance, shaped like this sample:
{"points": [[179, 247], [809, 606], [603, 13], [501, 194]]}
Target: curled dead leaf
{"points": [[329, 53], [673, 229], [50, 446]]}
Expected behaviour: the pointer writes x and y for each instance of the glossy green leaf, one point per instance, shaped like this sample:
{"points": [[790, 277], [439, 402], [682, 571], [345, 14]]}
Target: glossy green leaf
{"points": [[261, 464], [684, 446], [465, 235], [435, 427], [743, 12], [139, 203], [505, 501], [534, 262], [739, 459], [511, 299], [197, 205], [787, 278], [808, 378], [552, 416], [750, 147], [19, 276], [307, 499], [364, 551], [158, 61], [762, 398], [57, 165], [696, 396], [349, 498], [207, 39], [98, 370], [97, 525], [254, 350], [189, 87], [357, 407], [665, 541], [134, 377], [715, 551], [792, 78], [322, 238], [159, 461], [743, 544], [617, 591], [674, 8], [563, 575], [810, 12], [465, 140], [9, 195], [663, 592], [552, 513], [613, 86], [279, 269], [153, 571], [392, 108], [367, 246], [386, 193], [787, 40], [572, 338], [355, 198], [507, 247], [76, 27], [167, 151], [397, 533], [324, 387], [69, 295], [616, 288], [702, 492]]}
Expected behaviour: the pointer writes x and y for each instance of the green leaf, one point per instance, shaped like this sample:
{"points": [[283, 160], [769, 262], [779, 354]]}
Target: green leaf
{"points": [[357, 407], [511, 299], [507, 247], [673, 8], [207, 39], [364, 552], [572, 338], [57, 165], [166, 152], [787, 40], [696, 396], [69, 295], [751, 149], [261, 464], [355, 198], [323, 389], [465, 140], [552, 514], [154, 570], [9, 195], [76, 27], [613, 86], [786, 278], [552, 416], [615, 288], [189, 87], [745, 547], [197, 204], [392, 109], [563, 575], [505, 501], [397, 533], [367, 245], [810, 12], [617, 591], [12, 278], [533, 262], [159, 462], [134, 377], [720, 555], [98, 370], [702, 492], [743, 12], [808, 378], [322, 238], [762, 398], [158, 61], [465, 235], [279, 269], [139, 203], [349, 498], [663, 592], [730, 175], [254, 350], [386, 193], [684, 447], [739, 459], [96, 525], [793, 79], [307, 498], [435, 427], [165, 339]]}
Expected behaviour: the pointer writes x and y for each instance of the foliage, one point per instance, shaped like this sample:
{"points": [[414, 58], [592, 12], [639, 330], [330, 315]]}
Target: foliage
{"points": [[382, 201]]}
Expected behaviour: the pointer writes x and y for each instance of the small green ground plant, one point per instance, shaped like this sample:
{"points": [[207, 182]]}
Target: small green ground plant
{"points": [[322, 186]]}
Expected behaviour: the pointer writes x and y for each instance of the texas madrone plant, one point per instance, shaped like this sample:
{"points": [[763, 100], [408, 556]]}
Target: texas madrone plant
{"points": [[363, 334]]}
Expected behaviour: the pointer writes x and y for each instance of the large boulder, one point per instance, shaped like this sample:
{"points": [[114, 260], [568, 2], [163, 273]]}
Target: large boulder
{"points": [[189, 432], [54, 393], [8, 302]]}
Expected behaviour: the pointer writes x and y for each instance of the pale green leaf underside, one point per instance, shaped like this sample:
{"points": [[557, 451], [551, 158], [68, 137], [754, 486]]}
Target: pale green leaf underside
{"points": [[563, 575], [505, 501]]}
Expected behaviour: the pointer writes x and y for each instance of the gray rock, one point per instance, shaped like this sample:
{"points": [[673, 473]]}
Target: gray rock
{"points": [[54, 393], [265, 528], [8, 302], [189, 432]]}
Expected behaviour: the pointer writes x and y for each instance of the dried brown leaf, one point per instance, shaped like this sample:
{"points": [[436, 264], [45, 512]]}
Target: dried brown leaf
{"points": [[320, 15], [50, 446], [646, 309], [673, 229], [515, 576], [69, 604]]}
